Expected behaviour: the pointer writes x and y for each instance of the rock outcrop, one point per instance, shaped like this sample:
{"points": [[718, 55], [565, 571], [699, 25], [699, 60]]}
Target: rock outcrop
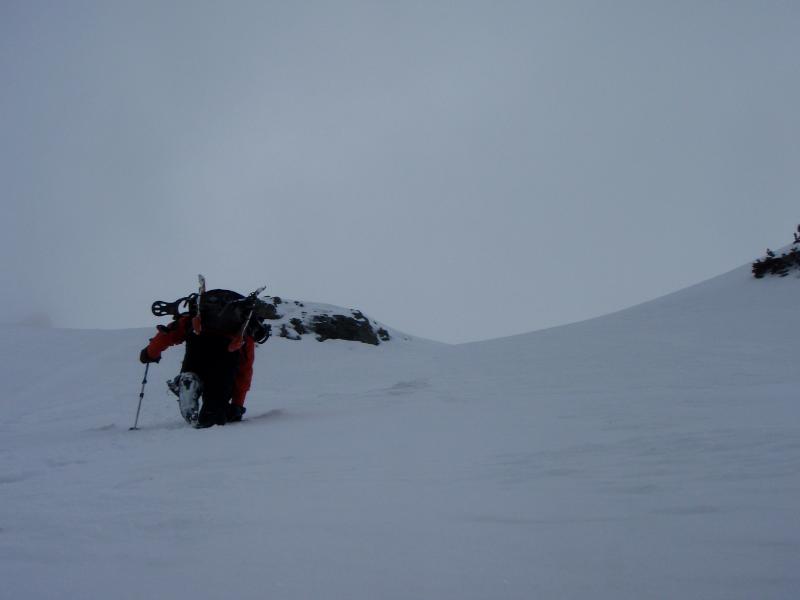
{"points": [[295, 320]]}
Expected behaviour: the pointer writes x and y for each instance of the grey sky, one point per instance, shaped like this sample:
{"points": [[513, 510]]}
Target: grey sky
{"points": [[432, 163]]}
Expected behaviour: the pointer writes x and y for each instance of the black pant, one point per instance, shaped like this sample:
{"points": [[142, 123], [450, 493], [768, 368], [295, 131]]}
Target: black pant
{"points": [[207, 356]]}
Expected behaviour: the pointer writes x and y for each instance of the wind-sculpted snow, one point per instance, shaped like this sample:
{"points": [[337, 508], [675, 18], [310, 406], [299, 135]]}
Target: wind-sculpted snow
{"points": [[653, 453]]}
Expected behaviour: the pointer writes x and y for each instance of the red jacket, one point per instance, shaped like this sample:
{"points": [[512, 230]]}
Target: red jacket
{"points": [[176, 334]]}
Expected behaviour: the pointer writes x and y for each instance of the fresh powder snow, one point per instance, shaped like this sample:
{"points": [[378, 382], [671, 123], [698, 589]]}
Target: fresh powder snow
{"points": [[651, 453]]}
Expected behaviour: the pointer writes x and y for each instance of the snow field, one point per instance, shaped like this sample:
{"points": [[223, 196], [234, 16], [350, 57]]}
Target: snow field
{"points": [[652, 453]]}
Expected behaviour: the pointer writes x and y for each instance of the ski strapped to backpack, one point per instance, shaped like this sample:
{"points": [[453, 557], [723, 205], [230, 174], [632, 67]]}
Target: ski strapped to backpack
{"points": [[222, 312], [196, 321]]}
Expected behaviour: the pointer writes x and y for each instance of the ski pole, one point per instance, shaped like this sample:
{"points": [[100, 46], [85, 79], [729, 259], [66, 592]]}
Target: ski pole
{"points": [[141, 396]]}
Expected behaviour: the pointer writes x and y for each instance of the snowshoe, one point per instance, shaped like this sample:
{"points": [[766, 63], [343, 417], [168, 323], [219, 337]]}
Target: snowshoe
{"points": [[189, 387]]}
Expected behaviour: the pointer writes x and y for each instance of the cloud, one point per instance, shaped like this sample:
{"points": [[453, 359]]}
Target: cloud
{"points": [[391, 157]]}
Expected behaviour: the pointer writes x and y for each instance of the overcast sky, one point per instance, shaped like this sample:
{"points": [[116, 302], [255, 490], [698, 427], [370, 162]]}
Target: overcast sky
{"points": [[432, 163]]}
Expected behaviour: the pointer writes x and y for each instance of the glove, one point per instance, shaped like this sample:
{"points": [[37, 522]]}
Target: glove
{"points": [[145, 358]]}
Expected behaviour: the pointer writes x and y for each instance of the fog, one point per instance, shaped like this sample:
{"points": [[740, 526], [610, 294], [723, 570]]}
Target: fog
{"points": [[426, 162]]}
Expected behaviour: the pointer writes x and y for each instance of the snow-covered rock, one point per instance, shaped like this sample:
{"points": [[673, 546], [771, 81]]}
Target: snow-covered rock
{"points": [[297, 320], [779, 263]]}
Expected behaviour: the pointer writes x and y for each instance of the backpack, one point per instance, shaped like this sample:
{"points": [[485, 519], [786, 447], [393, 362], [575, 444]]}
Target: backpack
{"points": [[223, 312]]}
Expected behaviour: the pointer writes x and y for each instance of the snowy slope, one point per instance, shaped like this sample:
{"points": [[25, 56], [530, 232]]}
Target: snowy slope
{"points": [[654, 452]]}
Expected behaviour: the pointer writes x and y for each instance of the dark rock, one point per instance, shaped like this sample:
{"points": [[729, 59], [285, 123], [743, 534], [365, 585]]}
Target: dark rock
{"points": [[781, 265], [268, 311], [289, 334], [341, 327], [298, 326]]}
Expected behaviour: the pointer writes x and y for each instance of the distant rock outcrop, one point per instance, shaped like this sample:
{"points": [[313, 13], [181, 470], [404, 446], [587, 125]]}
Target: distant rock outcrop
{"points": [[295, 319], [780, 265]]}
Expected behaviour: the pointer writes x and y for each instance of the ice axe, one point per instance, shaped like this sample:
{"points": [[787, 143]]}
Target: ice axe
{"points": [[141, 397]]}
